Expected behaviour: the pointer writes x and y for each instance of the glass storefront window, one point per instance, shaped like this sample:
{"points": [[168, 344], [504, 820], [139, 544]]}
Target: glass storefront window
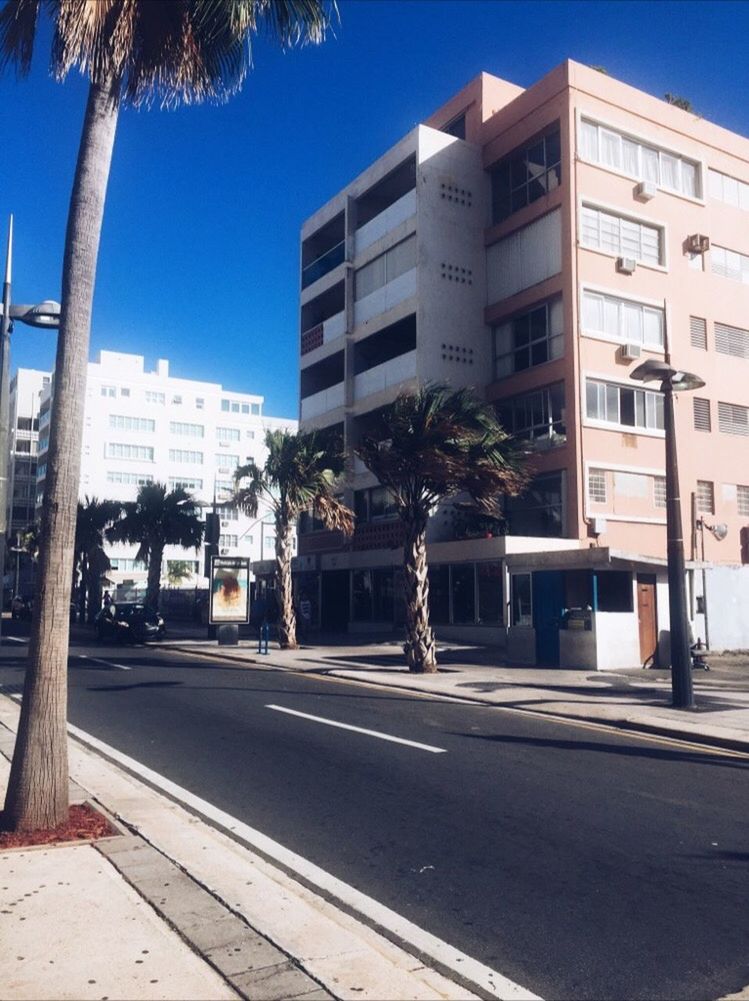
{"points": [[464, 592], [439, 594], [489, 578], [521, 600], [361, 596], [382, 595]]}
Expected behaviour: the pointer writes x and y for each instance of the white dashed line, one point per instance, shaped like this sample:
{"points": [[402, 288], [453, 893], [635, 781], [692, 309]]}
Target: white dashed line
{"points": [[99, 660], [360, 729]]}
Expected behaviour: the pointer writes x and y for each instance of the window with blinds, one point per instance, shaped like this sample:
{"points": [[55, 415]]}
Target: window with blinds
{"points": [[731, 341], [698, 332], [701, 413], [618, 235], [705, 497], [729, 264], [730, 190], [733, 418], [622, 320], [385, 268], [742, 500]]}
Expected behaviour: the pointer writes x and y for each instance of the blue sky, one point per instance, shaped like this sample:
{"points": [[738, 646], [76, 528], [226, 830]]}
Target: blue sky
{"points": [[199, 253]]}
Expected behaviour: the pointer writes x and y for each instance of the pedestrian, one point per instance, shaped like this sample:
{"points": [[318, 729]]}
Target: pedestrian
{"points": [[263, 636], [107, 599]]}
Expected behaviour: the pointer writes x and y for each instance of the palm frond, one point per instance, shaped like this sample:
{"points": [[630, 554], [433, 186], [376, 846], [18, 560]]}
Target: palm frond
{"points": [[18, 25], [334, 514]]}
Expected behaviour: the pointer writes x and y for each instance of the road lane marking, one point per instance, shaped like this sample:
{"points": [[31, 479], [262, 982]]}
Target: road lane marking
{"points": [[429, 949], [100, 660], [360, 729]]}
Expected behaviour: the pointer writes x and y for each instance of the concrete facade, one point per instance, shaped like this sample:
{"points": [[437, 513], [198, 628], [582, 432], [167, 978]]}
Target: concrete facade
{"points": [[538, 245], [143, 426]]}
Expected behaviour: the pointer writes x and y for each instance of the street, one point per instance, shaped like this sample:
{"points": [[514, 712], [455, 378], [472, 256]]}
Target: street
{"points": [[578, 862]]}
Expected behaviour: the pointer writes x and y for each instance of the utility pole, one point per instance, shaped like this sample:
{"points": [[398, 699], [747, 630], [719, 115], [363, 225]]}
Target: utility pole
{"points": [[5, 329]]}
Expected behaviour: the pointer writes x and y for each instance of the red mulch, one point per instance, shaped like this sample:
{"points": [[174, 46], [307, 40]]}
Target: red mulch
{"points": [[84, 824]]}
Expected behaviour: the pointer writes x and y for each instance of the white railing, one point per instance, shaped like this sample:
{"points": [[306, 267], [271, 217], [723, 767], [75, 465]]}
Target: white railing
{"points": [[389, 373], [388, 219], [382, 299], [322, 402]]}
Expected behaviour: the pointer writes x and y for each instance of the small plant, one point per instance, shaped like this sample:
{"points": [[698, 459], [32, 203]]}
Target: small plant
{"points": [[678, 102]]}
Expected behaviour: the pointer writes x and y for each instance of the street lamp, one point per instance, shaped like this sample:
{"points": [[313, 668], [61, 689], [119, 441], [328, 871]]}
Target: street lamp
{"points": [[46, 315], [674, 380]]}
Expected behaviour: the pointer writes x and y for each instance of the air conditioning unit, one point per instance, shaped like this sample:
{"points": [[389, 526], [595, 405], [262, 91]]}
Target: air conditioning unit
{"points": [[698, 243], [598, 526], [224, 524], [628, 352], [646, 190], [223, 552], [626, 265]]}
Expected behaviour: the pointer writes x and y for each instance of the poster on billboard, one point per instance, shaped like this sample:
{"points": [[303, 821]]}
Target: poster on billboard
{"points": [[230, 590]]}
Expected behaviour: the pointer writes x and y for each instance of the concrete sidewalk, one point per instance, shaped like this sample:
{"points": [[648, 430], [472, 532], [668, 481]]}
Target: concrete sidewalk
{"points": [[638, 700], [190, 903]]}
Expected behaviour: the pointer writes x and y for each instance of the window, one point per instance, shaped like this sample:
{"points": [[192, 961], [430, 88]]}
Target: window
{"points": [[733, 418], [439, 594], [522, 607], [463, 585], [224, 489], [130, 479], [227, 461], [227, 434], [122, 423], [228, 541], [742, 500], [199, 403], [115, 450], [613, 404], [178, 482], [698, 332], [529, 339], [109, 391], [270, 541], [524, 258], [245, 408], [597, 486], [731, 341], [705, 497], [177, 400], [539, 510], [622, 320], [184, 455], [255, 409], [191, 430], [225, 406], [192, 565], [659, 491], [610, 148], [126, 565], [489, 577], [456, 127], [615, 591], [229, 514], [701, 409], [730, 190], [620, 236], [124, 391], [234, 407], [729, 264], [537, 417], [526, 175], [383, 269], [153, 397], [250, 434], [375, 504]]}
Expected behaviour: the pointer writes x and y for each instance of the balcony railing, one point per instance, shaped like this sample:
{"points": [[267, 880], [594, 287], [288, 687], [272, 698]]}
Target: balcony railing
{"points": [[322, 402], [389, 373], [387, 220], [384, 298], [323, 264]]}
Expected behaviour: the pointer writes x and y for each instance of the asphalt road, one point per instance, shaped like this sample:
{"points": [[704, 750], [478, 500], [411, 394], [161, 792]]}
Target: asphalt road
{"points": [[578, 862]]}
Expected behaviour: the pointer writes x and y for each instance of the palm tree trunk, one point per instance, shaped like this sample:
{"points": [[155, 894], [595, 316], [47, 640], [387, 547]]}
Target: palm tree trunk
{"points": [[155, 559], [287, 616], [37, 794], [420, 648]]}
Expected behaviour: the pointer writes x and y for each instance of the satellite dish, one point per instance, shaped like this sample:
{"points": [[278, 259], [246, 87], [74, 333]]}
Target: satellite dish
{"points": [[720, 531]]}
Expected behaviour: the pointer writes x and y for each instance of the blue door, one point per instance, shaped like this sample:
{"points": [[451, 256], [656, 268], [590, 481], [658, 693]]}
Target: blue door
{"points": [[548, 602]]}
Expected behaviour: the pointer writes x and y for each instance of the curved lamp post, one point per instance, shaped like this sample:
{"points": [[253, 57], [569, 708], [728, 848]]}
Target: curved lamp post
{"points": [[672, 381], [45, 314]]}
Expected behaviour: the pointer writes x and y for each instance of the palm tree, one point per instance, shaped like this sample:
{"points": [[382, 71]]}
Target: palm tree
{"points": [[90, 560], [154, 520], [298, 475], [431, 445], [134, 51]]}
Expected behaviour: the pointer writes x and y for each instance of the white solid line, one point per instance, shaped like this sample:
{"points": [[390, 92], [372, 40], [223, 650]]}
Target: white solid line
{"points": [[395, 927], [15, 639], [361, 729], [99, 660]]}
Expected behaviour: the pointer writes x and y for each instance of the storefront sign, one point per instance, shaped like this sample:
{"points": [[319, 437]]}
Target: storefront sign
{"points": [[230, 590]]}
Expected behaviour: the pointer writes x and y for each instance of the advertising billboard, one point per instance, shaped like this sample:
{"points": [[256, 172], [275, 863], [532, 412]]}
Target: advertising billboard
{"points": [[230, 590]]}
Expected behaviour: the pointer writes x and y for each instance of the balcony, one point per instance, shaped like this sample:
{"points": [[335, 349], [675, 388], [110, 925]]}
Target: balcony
{"points": [[386, 221], [323, 333], [384, 298], [389, 373], [322, 265], [322, 402]]}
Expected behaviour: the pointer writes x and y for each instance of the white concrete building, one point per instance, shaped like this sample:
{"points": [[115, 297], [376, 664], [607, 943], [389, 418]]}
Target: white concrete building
{"points": [[143, 426]]}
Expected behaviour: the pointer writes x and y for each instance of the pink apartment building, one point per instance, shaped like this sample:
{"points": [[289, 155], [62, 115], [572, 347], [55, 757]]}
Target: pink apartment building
{"points": [[538, 245]]}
